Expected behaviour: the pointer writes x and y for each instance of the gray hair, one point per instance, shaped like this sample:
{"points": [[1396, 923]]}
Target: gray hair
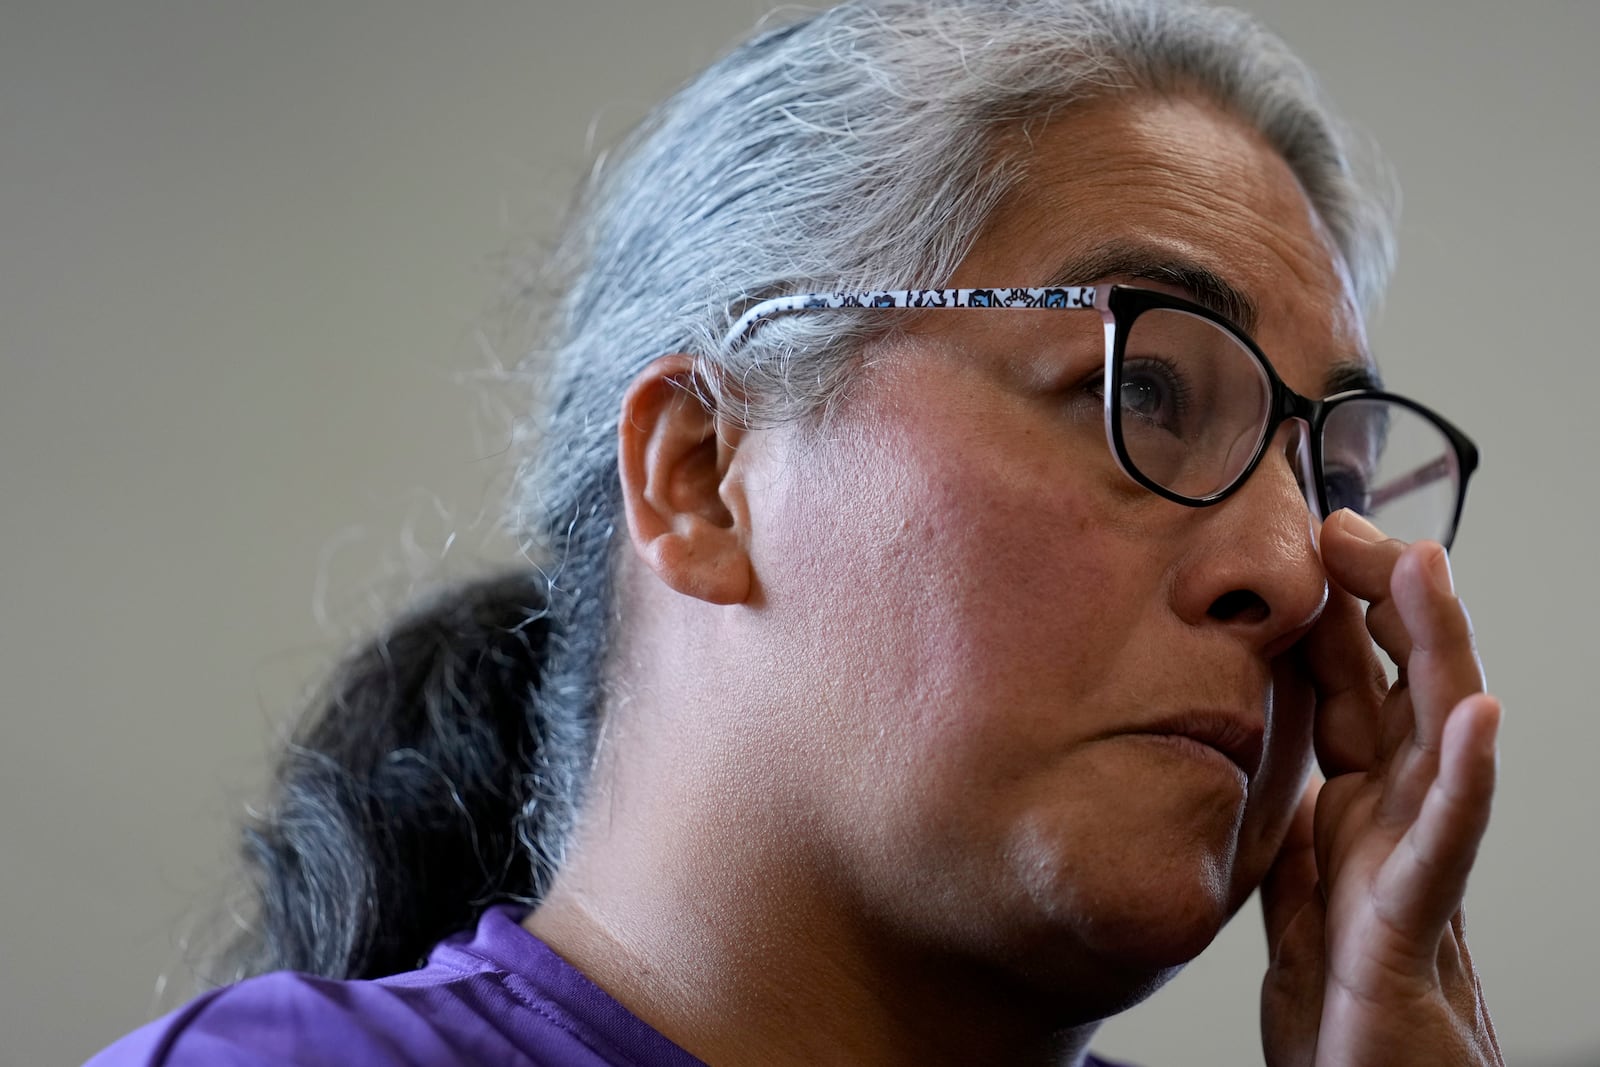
{"points": [[442, 767], [855, 149]]}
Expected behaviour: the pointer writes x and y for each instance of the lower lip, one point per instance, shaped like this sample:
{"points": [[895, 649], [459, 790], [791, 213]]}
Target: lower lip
{"points": [[1198, 751]]}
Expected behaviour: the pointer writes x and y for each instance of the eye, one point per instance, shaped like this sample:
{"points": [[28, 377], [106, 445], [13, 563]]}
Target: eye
{"points": [[1347, 487], [1154, 392]]}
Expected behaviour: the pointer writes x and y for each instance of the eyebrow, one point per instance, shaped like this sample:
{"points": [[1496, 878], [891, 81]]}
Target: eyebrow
{"points": [[1133, 260], [1349, 375], [1205, 287]]}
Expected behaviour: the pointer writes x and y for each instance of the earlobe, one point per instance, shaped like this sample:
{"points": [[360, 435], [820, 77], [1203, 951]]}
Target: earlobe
{"points": [[685, 516]]}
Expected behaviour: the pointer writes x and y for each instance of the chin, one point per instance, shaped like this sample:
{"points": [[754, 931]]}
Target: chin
{"points": [[1164, 936], [1086, 981], [1138, 917]]}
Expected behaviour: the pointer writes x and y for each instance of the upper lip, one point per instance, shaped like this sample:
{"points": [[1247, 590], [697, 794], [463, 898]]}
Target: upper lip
{"points": [[1235, 736]]}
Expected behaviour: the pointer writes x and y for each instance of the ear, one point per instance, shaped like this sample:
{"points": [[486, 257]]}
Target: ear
{"points": [[685, 512]]}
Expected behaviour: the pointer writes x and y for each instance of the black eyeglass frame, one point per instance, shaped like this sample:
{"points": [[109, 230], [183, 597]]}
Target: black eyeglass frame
{"points": [[1123, 306], [1120, 306]]}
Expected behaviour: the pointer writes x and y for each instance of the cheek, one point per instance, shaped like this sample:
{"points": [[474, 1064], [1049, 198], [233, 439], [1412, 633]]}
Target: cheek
{"points": [[977, 587]]}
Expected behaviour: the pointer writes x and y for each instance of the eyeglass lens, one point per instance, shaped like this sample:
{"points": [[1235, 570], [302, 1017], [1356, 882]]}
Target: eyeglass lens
{"points": [[1194, 403], [1392, 464], [1194, 407]]}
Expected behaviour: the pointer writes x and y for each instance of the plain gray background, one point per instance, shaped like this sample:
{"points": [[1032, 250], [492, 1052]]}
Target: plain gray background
{"points": [[249, 255]]}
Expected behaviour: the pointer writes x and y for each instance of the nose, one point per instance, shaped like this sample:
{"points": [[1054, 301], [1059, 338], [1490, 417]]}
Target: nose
{"points": [[1252, 566]]}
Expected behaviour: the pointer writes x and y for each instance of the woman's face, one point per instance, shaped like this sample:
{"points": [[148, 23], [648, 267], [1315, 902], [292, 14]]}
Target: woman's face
{"points": [[1038, 713]]}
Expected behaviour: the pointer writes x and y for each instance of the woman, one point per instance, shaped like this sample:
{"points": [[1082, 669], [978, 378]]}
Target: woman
{"points": [[915, 670]]}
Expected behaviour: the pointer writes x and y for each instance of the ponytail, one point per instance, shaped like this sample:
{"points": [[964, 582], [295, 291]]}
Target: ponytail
{"points": [[408, 798]]}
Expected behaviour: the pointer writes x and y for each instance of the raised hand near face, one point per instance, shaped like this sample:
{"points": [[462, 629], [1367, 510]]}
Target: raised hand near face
{"points": [[1369, 961]]}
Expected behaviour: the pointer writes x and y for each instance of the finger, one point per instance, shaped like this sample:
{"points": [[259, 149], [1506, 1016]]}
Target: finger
{"points": [[1388, 630], [1358, 556], [1350, 684], [1345, 671], [1442, 672], [1362, 560], [1421, 885], [1443, 668], [1292, 879]]}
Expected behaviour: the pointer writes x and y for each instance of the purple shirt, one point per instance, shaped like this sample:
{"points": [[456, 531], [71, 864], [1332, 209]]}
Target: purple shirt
{"points": [[502, 997]]}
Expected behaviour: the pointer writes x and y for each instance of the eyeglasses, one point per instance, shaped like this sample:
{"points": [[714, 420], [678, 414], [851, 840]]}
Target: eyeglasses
{"points": [[1191, 405]]}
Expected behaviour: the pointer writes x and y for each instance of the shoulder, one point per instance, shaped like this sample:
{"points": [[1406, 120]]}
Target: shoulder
{"points": [[498, 995], [281, 1019], [457, 1009]]}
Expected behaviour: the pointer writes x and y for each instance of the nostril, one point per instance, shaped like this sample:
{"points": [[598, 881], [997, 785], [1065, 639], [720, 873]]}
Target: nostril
{"points": [[1239, 605]]}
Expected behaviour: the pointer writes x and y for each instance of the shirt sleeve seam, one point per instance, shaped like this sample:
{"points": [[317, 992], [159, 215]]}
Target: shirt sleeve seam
{"points": [[558, 1019]]}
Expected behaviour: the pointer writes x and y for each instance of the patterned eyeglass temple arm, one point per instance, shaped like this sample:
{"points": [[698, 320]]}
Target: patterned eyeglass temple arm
{"points": [[1427, 474], [1067, 297]]}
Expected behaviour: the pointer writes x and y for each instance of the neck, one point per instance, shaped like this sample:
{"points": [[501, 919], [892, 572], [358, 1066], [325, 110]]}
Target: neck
{"points": [[747, 954]]}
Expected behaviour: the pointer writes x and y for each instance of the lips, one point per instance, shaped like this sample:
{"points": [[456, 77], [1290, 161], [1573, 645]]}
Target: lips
{"points": [[1236, 737]]}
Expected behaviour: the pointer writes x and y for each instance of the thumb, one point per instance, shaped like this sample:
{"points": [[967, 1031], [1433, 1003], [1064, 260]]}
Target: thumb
{"points": [[1291, 882]]}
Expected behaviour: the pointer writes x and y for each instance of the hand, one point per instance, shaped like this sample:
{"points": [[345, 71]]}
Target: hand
{"points": [[1369, 962]]}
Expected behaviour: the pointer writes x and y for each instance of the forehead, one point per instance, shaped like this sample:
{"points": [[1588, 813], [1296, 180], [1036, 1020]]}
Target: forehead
{"points": [[1118, 188]]}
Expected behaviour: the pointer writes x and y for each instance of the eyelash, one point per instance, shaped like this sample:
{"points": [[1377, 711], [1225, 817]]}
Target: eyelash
{"points": [[1176, 387]]}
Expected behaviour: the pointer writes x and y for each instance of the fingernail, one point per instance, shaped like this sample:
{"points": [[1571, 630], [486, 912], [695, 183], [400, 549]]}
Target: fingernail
{"points": [[1359, 527], [1439, 571]]}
